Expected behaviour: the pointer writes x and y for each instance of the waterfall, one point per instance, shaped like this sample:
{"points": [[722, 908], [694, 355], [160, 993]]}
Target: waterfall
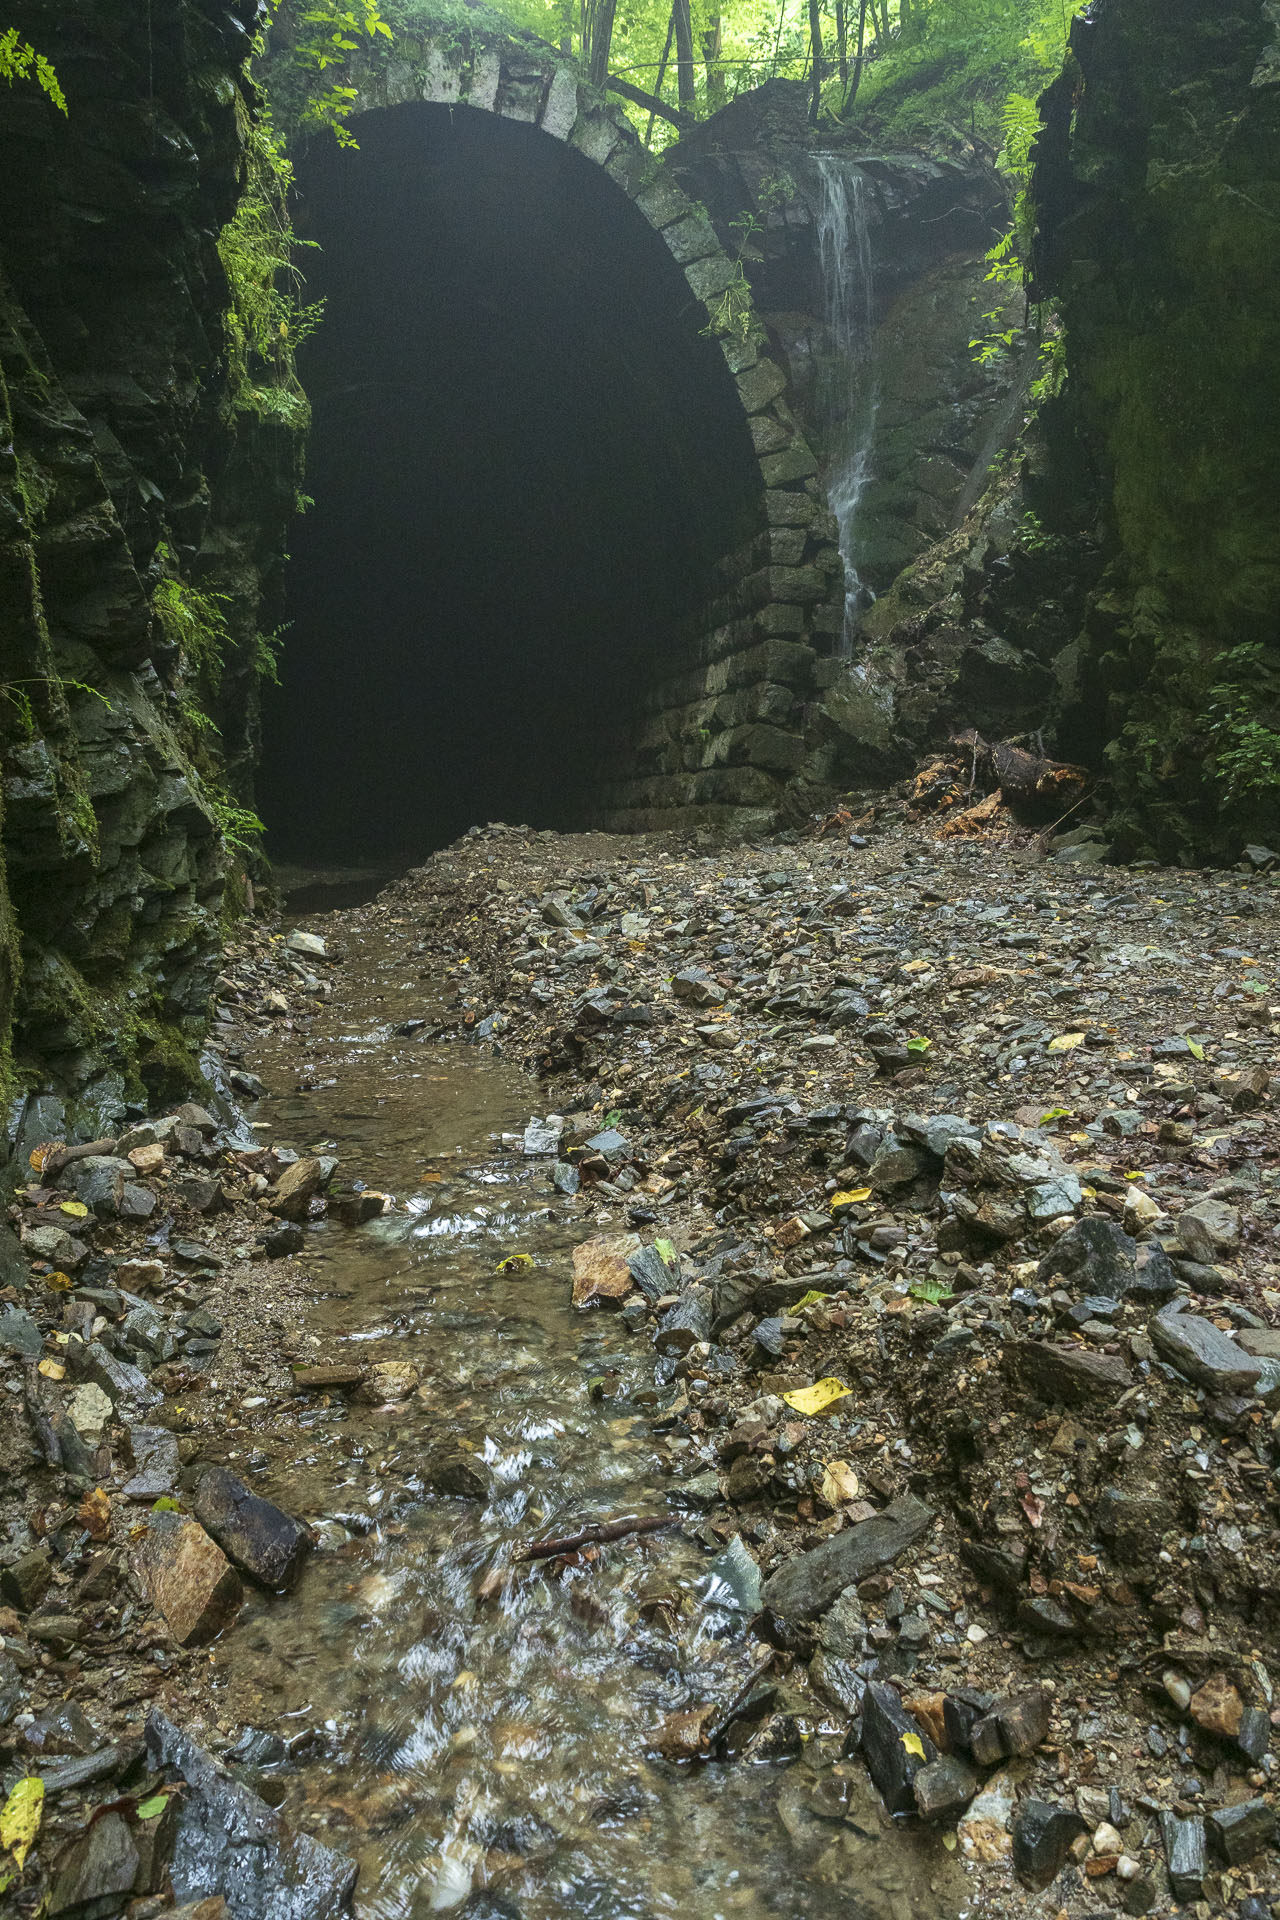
{"points": [[847, 394]]}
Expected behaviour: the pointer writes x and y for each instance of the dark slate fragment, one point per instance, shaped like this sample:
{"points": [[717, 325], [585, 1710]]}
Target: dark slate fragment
{"points": [[944, 1788], [891, 1761], [1184, 1851], [93, 1869], [231, 1842], [1042, 1837], [1241, 1831], [261, 1539], [686, 1323], [1073, 1374], [651, 1273], [1098, 1256], [806, 1584]]}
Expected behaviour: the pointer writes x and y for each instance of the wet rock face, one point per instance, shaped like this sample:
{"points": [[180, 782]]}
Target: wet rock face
{"points": [[1154, 187], [930, 221], [122, 459]]}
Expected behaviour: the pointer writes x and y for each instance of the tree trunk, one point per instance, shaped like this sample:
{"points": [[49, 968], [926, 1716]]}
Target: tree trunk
{"points": [[842, 44], [852, 94], [711, 43], [662, 74], [686, 79], [602, 12], [815, 42]]}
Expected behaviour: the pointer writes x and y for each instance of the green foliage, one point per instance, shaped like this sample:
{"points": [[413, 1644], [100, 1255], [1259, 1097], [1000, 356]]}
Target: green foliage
{"points": [[1244, 724], [268, 317], [20, 61], [192, 622], [239, 826], [325, 34], [731, 313]]}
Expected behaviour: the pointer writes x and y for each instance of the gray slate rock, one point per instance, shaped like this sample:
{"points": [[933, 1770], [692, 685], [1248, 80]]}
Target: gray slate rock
{"points": [[95, 1868], [155, 1460], [1098, 1256], [231, 1842], [1198, 1351], [733, 1579], [686, 1323], [805, 1586], [1042, 1837], [19, 1334], [944, 1788], [1072, 1374], [1241, 1831], [1184, 1852], [892, 1764], [261, 1539]]}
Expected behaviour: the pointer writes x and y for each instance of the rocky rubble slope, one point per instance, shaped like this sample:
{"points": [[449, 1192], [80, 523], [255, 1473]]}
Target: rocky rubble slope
{"points": [[944, 1181]]}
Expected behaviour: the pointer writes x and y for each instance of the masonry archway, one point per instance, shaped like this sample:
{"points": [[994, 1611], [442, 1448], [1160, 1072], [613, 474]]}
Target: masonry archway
{"points": [[562, 565]]}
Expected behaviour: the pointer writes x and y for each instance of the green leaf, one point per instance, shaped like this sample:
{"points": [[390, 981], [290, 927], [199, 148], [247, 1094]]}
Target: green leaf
{"points": [[666, 1252], [1195, 1049], [918, 1044], [148, 1809], [931, 1290], [167, 1504]]}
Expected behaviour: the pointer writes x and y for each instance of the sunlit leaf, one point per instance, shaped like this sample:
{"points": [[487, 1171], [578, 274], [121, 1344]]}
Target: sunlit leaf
{"points": [[817, 1398], [20, 1818]]}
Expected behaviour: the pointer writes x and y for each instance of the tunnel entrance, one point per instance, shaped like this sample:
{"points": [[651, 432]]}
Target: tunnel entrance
{"points": [[526, 460]]}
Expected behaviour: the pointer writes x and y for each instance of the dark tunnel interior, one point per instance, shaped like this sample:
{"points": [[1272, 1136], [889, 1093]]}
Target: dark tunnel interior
{"points": [[525, 459]]}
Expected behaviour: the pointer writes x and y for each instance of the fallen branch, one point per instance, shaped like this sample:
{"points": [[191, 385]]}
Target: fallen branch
{"points": [[63, 1156], [640, 98], [597, 1531]]}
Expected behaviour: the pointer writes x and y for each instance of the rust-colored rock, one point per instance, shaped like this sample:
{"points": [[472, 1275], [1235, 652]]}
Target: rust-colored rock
{"points": [[1217, 1707], [188, 1578], [292, 1194], [600, 1271]]}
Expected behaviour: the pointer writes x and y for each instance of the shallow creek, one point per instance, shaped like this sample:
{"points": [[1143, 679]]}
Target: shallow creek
{"points": [[488, 1755]]}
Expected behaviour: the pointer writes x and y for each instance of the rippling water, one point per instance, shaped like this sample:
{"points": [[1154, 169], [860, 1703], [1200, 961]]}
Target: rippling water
{"points": [[474, 1732]]}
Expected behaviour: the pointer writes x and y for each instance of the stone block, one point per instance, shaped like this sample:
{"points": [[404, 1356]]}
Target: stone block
{"points": [[595, 136], [560, 110], [262, 1540], [760, 384], [709, 277], [486, 76], [795, 462], [692, 237], [660, 200]]}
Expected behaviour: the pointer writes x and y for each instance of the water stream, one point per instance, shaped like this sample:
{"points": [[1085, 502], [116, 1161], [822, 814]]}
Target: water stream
{"points": [[848, 397], [476, 1734]]}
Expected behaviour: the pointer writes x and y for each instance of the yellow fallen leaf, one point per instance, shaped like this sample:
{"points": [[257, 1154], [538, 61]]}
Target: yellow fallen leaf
{"points": [[76, 1208], [20, 1818], [913, 1744], [52, 1370], [1064, 1042], [809, 1299], [514, 1260], [949, 1842], [851, 1197], [60, 1282], [817, 1398], [840, 1483]]}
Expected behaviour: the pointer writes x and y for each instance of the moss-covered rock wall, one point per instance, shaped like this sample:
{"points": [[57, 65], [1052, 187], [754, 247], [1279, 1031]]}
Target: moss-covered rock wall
{"points": [[1158, 194], [143, 499]]}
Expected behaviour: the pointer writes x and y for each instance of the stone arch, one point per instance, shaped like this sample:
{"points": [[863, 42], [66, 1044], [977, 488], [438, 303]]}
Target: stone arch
{"points": [[723, 725]]}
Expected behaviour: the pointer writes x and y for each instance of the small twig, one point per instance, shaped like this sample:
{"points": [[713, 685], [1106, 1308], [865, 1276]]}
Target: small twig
{"points": [[598, 1530]]}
